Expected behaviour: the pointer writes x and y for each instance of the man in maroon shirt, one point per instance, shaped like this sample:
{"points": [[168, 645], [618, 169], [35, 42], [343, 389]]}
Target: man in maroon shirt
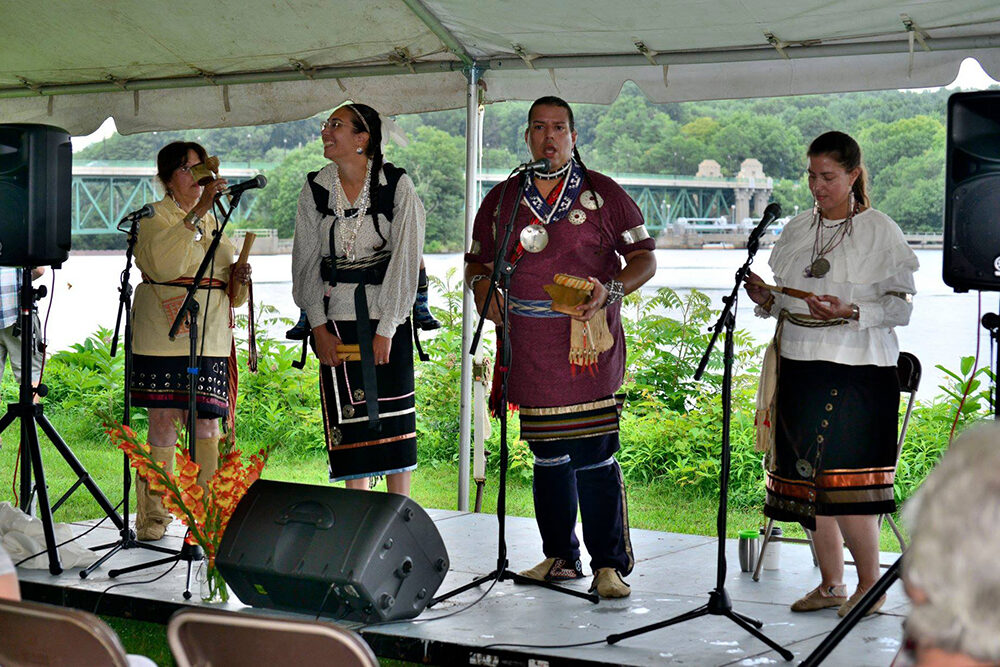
{"points": [[565, 369]]}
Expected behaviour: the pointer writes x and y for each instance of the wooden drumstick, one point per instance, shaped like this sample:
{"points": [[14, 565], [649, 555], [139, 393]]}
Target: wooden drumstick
{"points": [[245, 250], [244, 253], [790, 291]]}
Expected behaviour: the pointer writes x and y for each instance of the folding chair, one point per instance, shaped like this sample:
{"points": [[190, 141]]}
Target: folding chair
{"points": [[203, 637], [908, 370], [42, 634]]}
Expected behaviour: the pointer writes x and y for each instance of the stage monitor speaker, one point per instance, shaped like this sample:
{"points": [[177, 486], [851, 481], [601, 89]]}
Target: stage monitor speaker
{"points": [[344, 553], [972, 192], [36, 177]]}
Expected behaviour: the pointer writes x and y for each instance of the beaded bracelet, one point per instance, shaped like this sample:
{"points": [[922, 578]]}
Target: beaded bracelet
{"points": [[616, 292], [475, 279]]}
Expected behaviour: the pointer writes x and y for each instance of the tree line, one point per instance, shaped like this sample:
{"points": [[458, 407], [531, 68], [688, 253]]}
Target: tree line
{"points": [[902, 135]]}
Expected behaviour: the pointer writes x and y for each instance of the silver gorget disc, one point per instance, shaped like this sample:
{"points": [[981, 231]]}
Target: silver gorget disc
{"points": [[534, 238]]}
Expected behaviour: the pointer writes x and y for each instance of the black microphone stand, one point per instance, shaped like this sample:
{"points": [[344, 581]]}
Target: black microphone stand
{"points": [[503, 271], [719, 603], [126, 539], [30, 414], [191, 553]]}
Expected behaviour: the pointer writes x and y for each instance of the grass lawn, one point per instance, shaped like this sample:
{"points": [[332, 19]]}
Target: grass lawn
{"points": [[652, 506]]}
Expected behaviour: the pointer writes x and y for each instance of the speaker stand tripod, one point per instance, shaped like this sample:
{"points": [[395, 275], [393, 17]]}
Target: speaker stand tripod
{"points": [[719, 603], [126, 536], [31, 414]]}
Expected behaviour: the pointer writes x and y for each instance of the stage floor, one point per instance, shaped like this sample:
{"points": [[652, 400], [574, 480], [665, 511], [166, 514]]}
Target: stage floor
{"points": [[673, 575]]}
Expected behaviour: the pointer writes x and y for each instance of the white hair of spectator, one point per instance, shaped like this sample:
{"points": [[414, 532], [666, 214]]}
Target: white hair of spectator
{"points": [[954, 553]]}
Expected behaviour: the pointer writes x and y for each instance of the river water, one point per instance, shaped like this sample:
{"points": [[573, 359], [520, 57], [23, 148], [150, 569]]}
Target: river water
{"points": [[944, 326]]}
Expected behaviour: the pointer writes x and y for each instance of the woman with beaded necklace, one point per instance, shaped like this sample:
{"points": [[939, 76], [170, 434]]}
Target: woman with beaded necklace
{"points": [[836, 407], [170, 247], [359, 236]]}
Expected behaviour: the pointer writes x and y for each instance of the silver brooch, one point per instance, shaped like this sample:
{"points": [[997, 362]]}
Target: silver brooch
{"points": [[534, 238], [359, 394], [348, 411], [577, 217], [591, 200]]}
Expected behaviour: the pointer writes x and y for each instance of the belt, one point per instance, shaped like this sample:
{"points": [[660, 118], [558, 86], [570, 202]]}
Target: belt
{"points": [[533, 308]]}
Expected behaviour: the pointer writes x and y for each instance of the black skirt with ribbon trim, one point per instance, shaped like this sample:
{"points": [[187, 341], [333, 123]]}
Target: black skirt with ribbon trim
{"points": [[835, 441], [357, 445]]}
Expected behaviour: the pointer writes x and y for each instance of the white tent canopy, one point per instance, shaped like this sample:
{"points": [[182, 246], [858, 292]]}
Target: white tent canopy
{"points": [[192, 64]]}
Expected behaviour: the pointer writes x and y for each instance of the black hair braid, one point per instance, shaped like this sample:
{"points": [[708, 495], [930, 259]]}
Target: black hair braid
{"points": [[373, 188], [368, 120], [590, 183]]}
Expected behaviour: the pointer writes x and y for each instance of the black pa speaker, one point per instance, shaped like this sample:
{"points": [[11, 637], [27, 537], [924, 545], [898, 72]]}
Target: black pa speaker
{"points": [[972, 192], [349, 554], [36, 175]]}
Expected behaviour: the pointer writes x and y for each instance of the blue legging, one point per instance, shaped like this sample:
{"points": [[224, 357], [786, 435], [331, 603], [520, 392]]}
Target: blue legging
{"points": [[582, 473]]}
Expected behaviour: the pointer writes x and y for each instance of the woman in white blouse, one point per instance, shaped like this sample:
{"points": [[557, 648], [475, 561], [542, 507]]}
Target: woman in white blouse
{"points": [[359, 237], [833, 464]]}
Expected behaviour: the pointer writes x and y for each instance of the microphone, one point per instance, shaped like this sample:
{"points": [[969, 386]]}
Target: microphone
{"points": [[771, 213], [144, 212], [541, 164], [257, 181]]}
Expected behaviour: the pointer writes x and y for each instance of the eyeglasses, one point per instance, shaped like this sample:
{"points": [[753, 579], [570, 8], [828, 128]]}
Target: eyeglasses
{"points": [[331, 124], [185, 168]]}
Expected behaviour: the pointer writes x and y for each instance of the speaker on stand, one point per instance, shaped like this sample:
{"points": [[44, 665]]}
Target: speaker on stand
{"points": [[36, 171]]}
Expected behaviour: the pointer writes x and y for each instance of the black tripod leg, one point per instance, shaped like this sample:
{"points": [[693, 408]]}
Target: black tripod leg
{"points": [[519, 579], [79, 470], [478, 581], [187, 583], [747, 619], [686, 616], [136, 568], [6, 421], [29, 444], [741, 621]]}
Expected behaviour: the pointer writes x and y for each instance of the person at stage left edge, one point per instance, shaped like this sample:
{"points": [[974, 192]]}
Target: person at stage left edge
{"points": [[564, 389]]}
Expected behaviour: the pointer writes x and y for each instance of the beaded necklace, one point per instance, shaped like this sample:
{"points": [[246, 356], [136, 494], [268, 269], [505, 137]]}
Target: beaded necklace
{"points": [[353, 222], [558, 173], [819, 265]]}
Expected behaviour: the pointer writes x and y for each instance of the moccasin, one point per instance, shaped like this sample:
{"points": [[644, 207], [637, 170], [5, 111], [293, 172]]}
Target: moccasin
{"points": [[609, 584], [855, 599], [815, 599], [554, 569]]}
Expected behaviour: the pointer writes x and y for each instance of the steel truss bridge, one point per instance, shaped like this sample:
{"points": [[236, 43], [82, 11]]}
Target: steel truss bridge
{"points": [[105, 191], [665, 199]]}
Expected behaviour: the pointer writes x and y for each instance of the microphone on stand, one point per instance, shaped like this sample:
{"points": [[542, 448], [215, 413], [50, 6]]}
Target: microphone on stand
{"points": [[541, 164], [144, 212], [771, 213], [257, 181]]}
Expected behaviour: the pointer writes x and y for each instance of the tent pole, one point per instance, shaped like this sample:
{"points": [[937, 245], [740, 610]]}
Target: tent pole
{"points": [[472, 135]]}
